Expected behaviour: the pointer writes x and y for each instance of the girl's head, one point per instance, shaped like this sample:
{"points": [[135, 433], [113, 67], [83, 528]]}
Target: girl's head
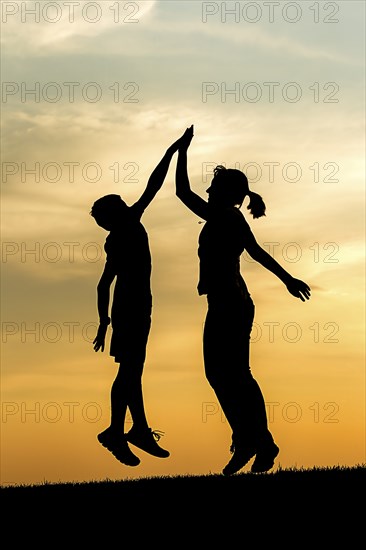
{"points": [[108, 211], [229, 187]]}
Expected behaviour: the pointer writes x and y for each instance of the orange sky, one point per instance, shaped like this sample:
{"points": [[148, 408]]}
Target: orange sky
{"points": [[281, 100]]}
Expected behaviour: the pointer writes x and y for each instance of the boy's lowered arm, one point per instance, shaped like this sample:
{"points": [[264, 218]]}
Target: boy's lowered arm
{"points": [[103, 291]]}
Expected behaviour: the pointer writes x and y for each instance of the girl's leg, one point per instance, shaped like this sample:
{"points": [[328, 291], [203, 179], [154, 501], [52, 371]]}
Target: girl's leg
{"points": [[226, 355], [226, 358]]}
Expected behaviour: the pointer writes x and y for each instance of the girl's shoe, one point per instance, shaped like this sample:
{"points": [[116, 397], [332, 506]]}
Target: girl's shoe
{"points": [[265, 458], [241, 456]]}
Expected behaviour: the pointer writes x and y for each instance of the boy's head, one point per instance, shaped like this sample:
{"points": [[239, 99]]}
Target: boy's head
{"points": [[108, 211]]}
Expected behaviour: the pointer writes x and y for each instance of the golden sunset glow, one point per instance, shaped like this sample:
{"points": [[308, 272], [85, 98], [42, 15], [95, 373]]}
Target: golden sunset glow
{"points": [[93, 93]]}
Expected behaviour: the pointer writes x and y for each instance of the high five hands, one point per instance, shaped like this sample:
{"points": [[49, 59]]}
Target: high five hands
{"points": [[184, 141]]}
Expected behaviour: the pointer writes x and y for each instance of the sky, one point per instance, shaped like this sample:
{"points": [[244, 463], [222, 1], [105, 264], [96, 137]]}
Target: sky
{"points": [[93, 93]]}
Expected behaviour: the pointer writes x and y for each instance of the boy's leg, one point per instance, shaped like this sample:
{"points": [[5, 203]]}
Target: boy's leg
{"points": [[140, 434], [113, 437]]}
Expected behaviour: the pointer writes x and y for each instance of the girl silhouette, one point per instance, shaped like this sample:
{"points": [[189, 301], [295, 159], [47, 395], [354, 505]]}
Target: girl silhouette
{"points": [[229, 320]]}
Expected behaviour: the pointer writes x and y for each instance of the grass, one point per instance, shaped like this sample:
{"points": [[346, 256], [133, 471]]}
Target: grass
{"points": [[304, 479], [293, 508]]}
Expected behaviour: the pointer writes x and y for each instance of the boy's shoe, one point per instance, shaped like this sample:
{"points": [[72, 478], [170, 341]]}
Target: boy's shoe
{"points": [[118, 446], [265, 458], [241, 456], [147, 441]]}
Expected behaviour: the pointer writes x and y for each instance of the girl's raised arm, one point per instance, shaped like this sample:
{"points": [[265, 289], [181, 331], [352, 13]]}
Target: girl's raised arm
{"points": [[183, 189]]}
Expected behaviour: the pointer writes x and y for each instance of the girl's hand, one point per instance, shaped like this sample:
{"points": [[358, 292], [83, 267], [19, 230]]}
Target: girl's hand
{"points": [[299, 289]]}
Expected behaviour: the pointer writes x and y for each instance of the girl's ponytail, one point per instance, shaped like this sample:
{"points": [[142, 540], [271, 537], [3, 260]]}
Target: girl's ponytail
{"points": [[256, 205]]}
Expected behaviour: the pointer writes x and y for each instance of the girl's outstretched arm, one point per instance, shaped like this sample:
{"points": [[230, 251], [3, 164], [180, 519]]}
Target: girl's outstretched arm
{"points": [[297, 288], [183, 189]]}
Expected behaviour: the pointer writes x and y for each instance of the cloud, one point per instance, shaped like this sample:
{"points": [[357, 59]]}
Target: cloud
{"points": [[131, 29], [268, 41], [48, 27]]}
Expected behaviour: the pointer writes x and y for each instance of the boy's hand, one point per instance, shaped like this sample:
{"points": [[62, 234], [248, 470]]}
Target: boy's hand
{"points": [[99, 340]]}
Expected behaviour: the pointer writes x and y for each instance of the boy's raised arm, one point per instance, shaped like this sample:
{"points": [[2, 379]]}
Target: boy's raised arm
{"points": [[156, 179]]}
